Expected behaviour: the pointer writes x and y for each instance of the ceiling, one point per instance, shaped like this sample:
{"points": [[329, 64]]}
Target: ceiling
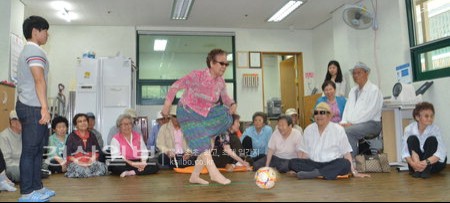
{"points": [[205, 13]]}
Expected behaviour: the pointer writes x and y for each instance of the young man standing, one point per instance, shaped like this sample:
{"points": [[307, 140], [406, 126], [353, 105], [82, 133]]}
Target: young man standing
{"points": [[32, 109]]}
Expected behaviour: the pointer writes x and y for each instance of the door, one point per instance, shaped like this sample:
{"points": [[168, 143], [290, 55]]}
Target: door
{"points": [[288, 84]]}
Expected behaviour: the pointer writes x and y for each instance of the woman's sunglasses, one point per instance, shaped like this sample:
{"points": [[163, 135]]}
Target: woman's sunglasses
{"points": [[321, 112], [222, 63]]}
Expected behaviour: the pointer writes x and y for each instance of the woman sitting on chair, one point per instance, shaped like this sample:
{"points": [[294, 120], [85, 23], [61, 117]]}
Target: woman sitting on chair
{"points": [[336, 103]]}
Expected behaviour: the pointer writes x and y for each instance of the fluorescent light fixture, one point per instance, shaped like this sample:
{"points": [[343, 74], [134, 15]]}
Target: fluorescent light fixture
{"points": [[160, 45], [285, 10], [181, 9]]}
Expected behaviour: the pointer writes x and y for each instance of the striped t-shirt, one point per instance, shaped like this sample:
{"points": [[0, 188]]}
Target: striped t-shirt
{"points": [[31, 56]]}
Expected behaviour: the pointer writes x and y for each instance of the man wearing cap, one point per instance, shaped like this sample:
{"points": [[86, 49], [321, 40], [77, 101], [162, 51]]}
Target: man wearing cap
{"points": [[153, 134], [91, 125], [325, 150], [294, 115], [172, 143], [114, 130], [362, 112], [11, 146]]}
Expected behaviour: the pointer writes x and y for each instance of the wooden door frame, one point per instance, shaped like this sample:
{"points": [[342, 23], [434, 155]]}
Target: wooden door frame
{"points": [[300, 85]]}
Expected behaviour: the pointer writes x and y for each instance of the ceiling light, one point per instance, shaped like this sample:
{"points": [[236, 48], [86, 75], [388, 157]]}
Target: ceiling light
{"points": [[160, 45], [285, 10], [181, 9], [66, 15]]}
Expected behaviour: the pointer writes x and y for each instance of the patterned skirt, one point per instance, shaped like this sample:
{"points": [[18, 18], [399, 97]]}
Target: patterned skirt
{"points": [[95, 169], [199, 130]]}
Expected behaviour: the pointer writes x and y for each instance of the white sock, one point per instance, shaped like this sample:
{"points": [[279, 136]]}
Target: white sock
{"points": [[3, 176]]}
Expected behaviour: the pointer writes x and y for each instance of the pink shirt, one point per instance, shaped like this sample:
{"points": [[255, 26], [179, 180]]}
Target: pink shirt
{"points": [[201, 91], [336, 112], [178, 140], [135, 149]]}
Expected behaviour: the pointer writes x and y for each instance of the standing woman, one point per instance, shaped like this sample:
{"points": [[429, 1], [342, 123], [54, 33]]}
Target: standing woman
{"points": [[203, 112], [334, 74]]}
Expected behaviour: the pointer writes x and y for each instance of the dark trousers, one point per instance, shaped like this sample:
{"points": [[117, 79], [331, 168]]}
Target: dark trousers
{"points": [[54, 166], [429, 148], [221, 160], [34, 138], [247, 145], [2, 162], [118, 166], [282, 165], [329, 170], [164, 160]]}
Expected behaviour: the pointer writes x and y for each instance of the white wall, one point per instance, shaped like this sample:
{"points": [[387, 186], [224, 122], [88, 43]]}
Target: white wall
{"points": [[11, 18], [5, 16], [382, 50], [323, 51], [67, 43]]}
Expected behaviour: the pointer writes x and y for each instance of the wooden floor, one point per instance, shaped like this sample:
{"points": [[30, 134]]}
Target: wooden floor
{"points": [[169, 186]]}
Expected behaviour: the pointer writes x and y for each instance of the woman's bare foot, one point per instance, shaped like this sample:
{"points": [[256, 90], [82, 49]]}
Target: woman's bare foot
{"points": [[219, 178], [229, 167], [198, 180], [291, 173]]}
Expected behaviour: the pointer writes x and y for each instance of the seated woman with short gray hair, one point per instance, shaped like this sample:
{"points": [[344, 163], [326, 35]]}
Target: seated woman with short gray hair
{"points": [[128, 151]]}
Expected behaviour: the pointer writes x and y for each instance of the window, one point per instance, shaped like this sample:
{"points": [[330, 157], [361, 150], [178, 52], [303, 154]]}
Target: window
{"points": [[179, 54], [429, 31]]}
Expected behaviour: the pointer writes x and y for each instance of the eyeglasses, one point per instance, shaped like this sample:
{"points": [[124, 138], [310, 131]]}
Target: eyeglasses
{"points": [[320, 112], [226, 64]]}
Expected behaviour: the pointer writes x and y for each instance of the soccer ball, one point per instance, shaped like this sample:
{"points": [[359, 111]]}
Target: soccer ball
{"points": [[266, 177]]}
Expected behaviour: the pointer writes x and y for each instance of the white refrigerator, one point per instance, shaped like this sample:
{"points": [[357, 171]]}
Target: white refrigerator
{"points": [[105, 86]]}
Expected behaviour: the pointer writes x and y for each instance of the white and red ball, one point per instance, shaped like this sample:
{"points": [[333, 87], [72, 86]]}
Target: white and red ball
{"points": [[266, 177]]}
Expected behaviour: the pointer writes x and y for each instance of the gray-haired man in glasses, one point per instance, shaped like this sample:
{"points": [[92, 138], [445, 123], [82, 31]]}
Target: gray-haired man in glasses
{"points": [[362, 112]]}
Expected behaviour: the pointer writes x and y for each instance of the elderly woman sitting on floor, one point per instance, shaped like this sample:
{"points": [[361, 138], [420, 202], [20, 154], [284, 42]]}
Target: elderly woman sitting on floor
{"points": [[128, 151]]}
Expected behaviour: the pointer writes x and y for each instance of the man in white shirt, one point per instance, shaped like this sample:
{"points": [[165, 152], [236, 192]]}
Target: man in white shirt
{"points": [[362, 113], [325, 150], [11, 146]]}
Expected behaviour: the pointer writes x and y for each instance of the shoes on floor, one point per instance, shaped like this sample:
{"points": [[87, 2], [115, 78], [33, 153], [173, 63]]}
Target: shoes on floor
{"points": [[416, 174], [34, 197], [47, 192], [5, 185]]}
